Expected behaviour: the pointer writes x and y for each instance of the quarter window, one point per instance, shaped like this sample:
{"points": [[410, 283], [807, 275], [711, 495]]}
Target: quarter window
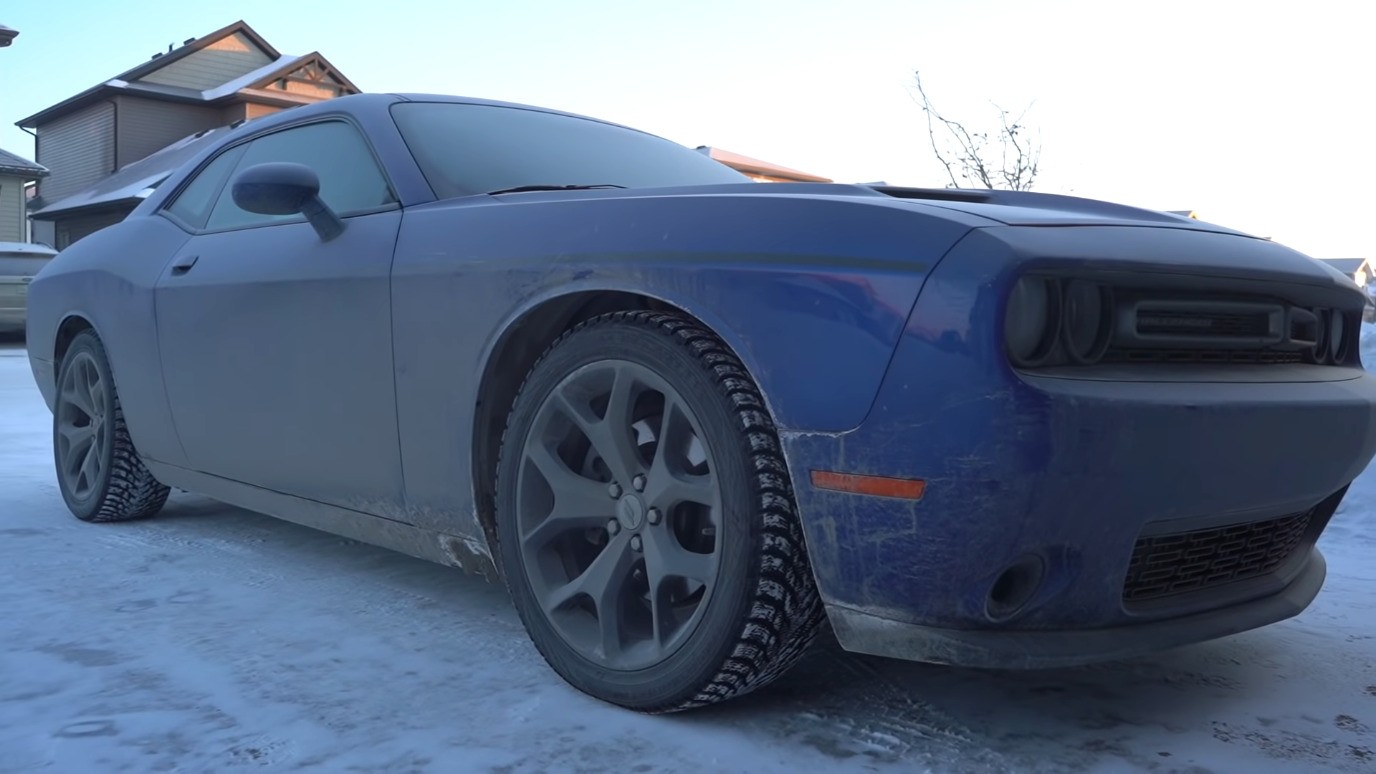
{"points": [[192, 205]]}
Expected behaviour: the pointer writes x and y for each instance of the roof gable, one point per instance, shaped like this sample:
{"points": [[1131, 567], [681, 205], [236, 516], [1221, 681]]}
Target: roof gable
{"points": [[1346, 265], [222, 60], [239, 29], [237, 44], [309, 76]]}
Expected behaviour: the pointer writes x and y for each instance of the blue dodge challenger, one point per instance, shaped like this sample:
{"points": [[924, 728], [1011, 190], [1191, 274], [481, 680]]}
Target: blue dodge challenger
{"points": [[688, 418]]}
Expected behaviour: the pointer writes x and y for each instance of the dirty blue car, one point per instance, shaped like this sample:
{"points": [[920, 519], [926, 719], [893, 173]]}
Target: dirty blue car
{"points": [[688, 419]]}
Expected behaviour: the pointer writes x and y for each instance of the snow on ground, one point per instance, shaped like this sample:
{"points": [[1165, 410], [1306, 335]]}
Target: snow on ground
{"points": [[213, 639]]}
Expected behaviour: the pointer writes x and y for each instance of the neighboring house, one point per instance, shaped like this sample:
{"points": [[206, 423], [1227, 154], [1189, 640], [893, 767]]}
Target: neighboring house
{"points": [[102, 147], [16, 173], [1359, 269], [762, 171]]}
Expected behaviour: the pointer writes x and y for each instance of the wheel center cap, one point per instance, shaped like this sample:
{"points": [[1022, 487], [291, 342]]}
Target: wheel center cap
{"points": [[630, 511]]}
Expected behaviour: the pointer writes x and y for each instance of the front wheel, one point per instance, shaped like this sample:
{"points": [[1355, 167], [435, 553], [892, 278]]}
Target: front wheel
{"points": [[98, 470], [646, 522]]}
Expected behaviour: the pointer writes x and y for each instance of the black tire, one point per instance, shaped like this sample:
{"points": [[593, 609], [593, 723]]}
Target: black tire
{"points": [[760, 610], [112, 483]]}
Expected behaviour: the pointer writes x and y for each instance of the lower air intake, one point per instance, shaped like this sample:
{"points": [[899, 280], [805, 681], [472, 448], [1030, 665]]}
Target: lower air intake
{"points": [[1185, 562]]}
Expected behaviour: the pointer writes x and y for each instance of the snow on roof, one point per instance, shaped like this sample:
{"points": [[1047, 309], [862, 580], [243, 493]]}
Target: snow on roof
{"points": [[250, 78]]}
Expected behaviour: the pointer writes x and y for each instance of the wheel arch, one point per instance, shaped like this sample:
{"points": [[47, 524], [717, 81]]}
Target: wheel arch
{"points": [[71, 326], [509, 361]]}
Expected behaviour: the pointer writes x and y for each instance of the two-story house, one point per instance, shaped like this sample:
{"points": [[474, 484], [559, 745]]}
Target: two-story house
{"points": [[16, 172], [108, 146]]}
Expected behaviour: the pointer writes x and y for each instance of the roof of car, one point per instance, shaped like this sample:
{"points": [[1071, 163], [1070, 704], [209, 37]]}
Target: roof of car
{"points": [[26, 248]]}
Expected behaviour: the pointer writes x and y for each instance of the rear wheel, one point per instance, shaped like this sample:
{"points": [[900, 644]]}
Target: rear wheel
{"points": [[98, 470], [646, 522]]}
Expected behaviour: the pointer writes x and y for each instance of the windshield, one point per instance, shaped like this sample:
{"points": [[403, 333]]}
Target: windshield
{"points": [[473, 149]]}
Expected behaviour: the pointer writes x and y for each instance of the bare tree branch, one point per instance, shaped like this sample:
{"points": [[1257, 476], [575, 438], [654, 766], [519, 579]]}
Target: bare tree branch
{"points": [[966, 154]]}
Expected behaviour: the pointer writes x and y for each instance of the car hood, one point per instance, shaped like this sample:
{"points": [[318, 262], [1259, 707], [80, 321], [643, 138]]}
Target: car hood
{"points": [[975, 207]]}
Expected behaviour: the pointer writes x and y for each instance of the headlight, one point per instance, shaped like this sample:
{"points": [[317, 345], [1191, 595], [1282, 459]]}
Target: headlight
{"points": [[1088, 322], [1033, 320], [1337, 342]]}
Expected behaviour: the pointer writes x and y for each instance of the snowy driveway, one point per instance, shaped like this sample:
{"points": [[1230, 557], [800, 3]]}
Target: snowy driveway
{"points": [[215, 639]]}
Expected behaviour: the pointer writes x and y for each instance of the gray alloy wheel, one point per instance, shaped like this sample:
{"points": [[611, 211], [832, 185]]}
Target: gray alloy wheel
{"points": [[98, 470], [620, 545], [646, 523]]}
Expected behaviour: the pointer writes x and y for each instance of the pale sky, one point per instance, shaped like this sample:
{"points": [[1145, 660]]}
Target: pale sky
{"points": [[1254, 114]]}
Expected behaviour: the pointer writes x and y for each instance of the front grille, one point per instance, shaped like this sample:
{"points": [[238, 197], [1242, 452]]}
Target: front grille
{"points": [[1221, 356], [1190, 323], [1183, 562]]}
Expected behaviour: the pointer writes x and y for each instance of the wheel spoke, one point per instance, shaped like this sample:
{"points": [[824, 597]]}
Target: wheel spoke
{"points": [[579, 502], [669, 489], [603, 581], [669, 481], [91, 386], [665, 558], [76, 436], [90, 466], [73, 458], [78, 454], [75, 394], [611, 435]]}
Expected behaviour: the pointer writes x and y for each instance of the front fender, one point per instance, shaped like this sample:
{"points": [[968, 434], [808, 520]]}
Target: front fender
{"points": [[811, 293], [107, 279]]}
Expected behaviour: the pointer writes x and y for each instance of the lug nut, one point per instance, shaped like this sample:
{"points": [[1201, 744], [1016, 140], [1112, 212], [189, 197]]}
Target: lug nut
{"points": [[613, 527], [639, 483], [636, 545], [654, 515], [614, 489]]}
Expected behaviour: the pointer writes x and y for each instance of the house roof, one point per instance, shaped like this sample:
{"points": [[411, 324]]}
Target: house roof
{"points": [[130, 81], [1345, 265], [133, 181], [748, 165], [11, 164]]}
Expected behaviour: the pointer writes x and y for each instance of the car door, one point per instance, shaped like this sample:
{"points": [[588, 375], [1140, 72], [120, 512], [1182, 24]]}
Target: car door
{"points": [[276, 345]]}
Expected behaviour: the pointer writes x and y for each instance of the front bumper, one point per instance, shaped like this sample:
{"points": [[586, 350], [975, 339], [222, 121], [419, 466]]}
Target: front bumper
{"points": [[863, 632], [1049, 485]]}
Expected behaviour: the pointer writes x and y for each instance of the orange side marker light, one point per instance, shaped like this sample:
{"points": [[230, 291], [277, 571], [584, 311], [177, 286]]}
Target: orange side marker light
{"points": [[879, 486]]}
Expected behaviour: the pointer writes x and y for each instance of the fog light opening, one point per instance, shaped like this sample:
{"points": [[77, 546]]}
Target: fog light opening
{"points": [[1014, 587]]}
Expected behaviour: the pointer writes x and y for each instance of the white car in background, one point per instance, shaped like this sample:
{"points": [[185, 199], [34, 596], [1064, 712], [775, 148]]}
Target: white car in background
{"points": [[19, 262]]}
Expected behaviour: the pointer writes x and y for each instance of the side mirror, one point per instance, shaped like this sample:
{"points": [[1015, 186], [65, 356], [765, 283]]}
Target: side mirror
{"points": [[277, 188], [285, 188]]}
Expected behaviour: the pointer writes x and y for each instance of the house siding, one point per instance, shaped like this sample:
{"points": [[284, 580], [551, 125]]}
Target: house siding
{"points": [[78, 149], [221, 62], [74, 227], [12, 209], [245, 111], [147, 126]]}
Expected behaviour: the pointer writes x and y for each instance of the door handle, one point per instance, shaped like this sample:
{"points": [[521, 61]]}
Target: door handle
{"points": [[183, 265]]}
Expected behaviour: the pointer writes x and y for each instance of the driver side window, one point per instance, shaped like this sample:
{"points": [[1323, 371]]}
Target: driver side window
{"points": [[350, 179]]}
